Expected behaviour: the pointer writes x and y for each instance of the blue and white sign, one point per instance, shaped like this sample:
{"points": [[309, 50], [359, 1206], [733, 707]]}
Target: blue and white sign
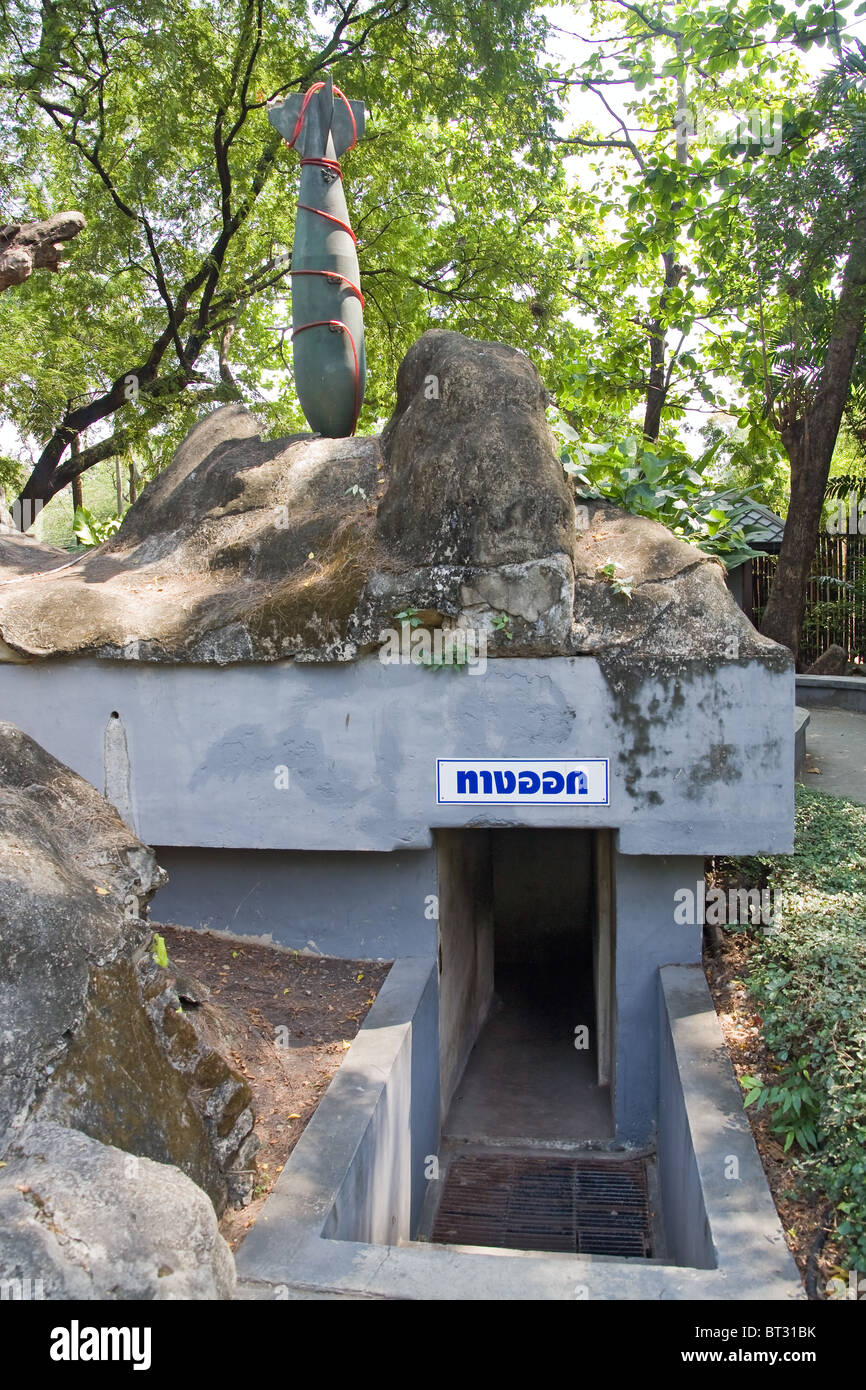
{"points": [[522, 781]]}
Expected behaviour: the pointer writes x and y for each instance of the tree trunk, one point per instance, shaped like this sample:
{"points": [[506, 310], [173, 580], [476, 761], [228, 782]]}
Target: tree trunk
{"points": [[809, 453], [655, 391], [226, 373], [658, 382], [77, 489], [809, 443]]}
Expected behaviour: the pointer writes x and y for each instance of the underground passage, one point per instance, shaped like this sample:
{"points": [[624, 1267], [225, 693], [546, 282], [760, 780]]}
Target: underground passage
{"points": [[525, 919]]}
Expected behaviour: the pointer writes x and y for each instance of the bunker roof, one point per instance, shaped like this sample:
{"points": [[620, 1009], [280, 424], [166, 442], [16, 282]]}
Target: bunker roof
{"points": [[249, 549]]}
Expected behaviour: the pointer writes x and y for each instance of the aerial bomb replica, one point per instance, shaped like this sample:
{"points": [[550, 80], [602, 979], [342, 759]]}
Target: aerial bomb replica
{"points": [[327, 304]]}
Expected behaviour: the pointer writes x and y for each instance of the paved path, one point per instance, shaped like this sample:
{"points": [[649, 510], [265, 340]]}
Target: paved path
{"points": [[836, 753], [525, 1081]]}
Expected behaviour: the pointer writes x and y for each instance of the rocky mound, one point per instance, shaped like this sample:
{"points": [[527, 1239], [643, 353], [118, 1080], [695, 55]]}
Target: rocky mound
{"points": [[83, 1220], [93, 1032], [246, 549]]}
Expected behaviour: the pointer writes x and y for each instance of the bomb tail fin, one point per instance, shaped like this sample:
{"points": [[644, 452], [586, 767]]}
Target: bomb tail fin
{"points": [[347, 127], [307, 120], [284, 115]]}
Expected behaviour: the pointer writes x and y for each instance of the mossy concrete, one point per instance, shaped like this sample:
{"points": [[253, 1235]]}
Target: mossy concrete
{"points": [[700, 763]]}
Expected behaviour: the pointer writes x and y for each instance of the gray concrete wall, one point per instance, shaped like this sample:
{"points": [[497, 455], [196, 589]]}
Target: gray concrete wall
{"points": [[365, 906], [801, 724], [425, 1108], [646, 937], [701, 763], [374, 1199], [365, 1145], [395, 1071], [604, 954], [832, 692], [466, 949], [688, 1238], [716, 1205]]}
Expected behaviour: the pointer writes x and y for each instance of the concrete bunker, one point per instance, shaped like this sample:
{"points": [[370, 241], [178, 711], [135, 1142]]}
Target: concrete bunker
{"points": [[525, 1045], [242, 716]]}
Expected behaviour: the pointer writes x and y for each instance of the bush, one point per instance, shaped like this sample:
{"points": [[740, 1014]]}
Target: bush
{"points": [[661, 482], [809, 981]]}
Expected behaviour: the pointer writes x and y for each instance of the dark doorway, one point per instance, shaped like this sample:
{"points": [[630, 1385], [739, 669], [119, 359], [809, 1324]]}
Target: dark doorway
{"points": [[533, 1074]]}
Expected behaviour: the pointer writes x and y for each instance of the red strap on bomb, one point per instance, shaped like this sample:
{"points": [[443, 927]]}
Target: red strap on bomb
{"points": [[333, 275], [332, 164], [317, 87], [344, 226]]}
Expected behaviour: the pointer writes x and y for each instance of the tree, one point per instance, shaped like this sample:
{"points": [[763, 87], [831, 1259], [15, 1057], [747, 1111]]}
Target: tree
{"points": [[664, 150], [736, 281], [156, 117], [816, 390]]}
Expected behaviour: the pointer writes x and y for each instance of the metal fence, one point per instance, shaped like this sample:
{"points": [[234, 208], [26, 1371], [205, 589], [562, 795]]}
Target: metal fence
{"points": [[833, 613]]}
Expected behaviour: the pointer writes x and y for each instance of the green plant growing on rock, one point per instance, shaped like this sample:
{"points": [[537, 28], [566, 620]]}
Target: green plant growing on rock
{"points": [[160, 954], [619, 586], [502, 623], [661, 482], [89, 531], [410, 616], [450, 660]]}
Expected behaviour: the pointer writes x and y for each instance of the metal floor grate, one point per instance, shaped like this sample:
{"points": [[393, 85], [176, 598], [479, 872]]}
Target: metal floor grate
{"points": [[577, 1205]]}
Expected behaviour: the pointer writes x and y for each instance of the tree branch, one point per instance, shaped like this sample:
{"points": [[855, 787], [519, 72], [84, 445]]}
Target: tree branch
{"points": [[226, 374]]}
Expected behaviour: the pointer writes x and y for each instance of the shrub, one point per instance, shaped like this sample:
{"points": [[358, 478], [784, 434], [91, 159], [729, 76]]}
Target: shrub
{"points": [[808, 978]]}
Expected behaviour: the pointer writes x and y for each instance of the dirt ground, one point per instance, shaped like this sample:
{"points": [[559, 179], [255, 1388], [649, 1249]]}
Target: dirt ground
{"points": [[725, 966], [290, 1018]]}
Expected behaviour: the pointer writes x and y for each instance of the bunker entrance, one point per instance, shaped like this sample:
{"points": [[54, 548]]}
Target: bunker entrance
{"points": [[525, 1025], [525, 986]]}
